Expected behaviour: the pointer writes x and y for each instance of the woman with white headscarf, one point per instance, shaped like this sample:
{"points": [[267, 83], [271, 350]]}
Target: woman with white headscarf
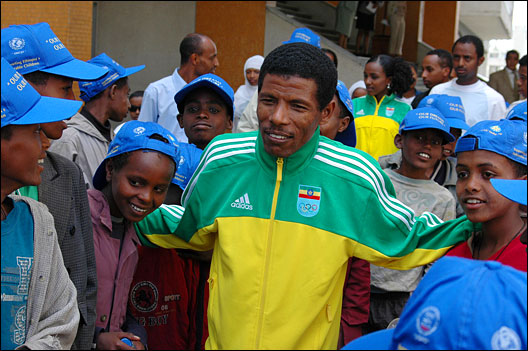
{"points": [[246, 91]]}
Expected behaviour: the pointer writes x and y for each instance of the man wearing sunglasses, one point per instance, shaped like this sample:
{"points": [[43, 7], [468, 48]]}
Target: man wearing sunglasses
{"points": [[135, 99]]}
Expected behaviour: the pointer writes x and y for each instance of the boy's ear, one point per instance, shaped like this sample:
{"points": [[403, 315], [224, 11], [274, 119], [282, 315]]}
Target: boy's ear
{"points": [[109, 167], [180, 119], [398, 141], [229, 123], [343, 124]]}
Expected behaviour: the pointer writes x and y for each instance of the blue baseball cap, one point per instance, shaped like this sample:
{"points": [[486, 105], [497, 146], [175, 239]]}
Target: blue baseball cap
{"points": [[135, 135], [115, 71], [425, 118], [189, 161], [22, 104], [304, 35], [518, 112], [460, 304], [505, 137], [348, 136], [450, 107], [512, 189], [34, 47], [212, 81]]}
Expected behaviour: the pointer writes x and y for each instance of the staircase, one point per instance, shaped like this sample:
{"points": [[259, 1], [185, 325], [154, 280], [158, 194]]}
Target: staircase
{"points": [[292, 10]]}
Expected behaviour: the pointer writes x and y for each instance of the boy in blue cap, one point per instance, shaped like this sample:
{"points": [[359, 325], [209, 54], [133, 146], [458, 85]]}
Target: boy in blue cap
{"points": [[39, 306], [421, 135], [492, 149], [39, 55], [86, 140], [460, 304], [131, 182], [207, 110], [356, 292]]}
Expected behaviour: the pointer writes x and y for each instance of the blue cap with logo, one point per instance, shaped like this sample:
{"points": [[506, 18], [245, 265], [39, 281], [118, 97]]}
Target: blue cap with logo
{"points": [[34, 47], [136, 135], [304, 35], [348, 136], [212, 81], [450, 107], [115, 71], [505, 137], [518, 112], [22, 104], [425, 118], [460, 304], [512, 189], [189, 161]]}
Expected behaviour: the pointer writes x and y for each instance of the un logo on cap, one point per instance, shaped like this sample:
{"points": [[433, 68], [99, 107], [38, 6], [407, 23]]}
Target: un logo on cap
{"points": [[139, 130], [17, 43]]}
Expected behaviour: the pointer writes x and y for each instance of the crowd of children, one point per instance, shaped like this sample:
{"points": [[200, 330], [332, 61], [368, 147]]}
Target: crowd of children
{"points": [[328, 222]]}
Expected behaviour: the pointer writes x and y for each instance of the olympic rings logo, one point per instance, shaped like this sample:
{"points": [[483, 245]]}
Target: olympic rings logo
{"points": [[306, 208]]}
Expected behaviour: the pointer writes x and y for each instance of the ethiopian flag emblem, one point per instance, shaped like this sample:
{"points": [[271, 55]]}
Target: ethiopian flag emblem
{"points": [[308, 200]]}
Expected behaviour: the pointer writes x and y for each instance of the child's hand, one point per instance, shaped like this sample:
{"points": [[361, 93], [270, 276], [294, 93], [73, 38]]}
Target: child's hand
{"points": [[138, 345], [112, 341]]}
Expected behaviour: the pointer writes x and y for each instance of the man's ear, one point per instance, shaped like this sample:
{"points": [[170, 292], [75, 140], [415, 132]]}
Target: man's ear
{"points": [[343, 123], [446, 72], [481, 60], [328, 111], [194, 58], [398, 141], [180, 119], [112, 91]]}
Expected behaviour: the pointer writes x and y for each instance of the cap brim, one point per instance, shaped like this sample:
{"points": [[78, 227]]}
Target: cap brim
{"points": [[456, 123], [512, 189], [99, 178], [132, 70], [48, 110], [78, 70], [180, 96], [379, 340]]}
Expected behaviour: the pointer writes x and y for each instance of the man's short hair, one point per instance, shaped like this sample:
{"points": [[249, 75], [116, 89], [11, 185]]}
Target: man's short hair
{"points": [[138, 93], [304, 61], [37, 77], [444, 57], [512, 52], [191, 44], [522, 61], [479, 47]]}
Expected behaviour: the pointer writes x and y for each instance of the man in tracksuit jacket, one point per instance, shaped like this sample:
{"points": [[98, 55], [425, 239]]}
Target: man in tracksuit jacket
{"points": [[284, 208]]}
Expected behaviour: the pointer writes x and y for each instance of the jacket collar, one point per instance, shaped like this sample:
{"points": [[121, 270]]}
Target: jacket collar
{"points": [[292, 164]]}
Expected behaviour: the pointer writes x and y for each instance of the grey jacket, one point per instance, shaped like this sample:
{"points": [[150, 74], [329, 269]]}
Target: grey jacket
{"points": [[63, 191], [83, 144], [52, 313], [393, 161]]}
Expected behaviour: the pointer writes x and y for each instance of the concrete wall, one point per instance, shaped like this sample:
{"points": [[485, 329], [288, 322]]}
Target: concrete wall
{"points": [[279, 28], [143, 32]]}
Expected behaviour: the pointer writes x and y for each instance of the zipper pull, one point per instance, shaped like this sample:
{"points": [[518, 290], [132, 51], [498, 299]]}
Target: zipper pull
{"points": [[280, 162]]}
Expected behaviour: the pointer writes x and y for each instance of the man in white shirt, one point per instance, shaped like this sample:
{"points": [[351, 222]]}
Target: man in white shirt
{"points": [[198, 57], [480, 101], [504, 81]]}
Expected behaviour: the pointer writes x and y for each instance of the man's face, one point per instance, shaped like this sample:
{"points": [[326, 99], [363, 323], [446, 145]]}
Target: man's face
{"points": [[521, 82], [120, 103], [288, 113], [432, 72], [22, 156], [59, 87], [135, 107], [466, 63], [208, 60], [204, 117], [512, 60]]}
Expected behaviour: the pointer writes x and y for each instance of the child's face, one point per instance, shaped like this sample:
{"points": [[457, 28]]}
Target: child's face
{"points": [[480, 201], [22, 157], [449, 148], [204, 117], [140, 186], [334, 124], [421, 148]]}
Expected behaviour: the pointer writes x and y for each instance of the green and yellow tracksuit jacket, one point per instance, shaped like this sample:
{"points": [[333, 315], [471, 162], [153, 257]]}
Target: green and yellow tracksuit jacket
{"points": [[377, 123], [282, 231]]}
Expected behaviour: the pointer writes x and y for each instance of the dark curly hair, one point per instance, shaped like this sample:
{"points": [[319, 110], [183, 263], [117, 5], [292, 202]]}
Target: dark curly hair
{"points": [[305, 61], [397, 69]]}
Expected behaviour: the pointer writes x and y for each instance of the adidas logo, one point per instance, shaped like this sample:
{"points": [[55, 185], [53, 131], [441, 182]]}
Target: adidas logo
{"points": [[360, 112], [243, 203]]}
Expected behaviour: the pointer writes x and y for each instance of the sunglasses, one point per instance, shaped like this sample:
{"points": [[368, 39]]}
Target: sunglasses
{"points": [[134, 108]]}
